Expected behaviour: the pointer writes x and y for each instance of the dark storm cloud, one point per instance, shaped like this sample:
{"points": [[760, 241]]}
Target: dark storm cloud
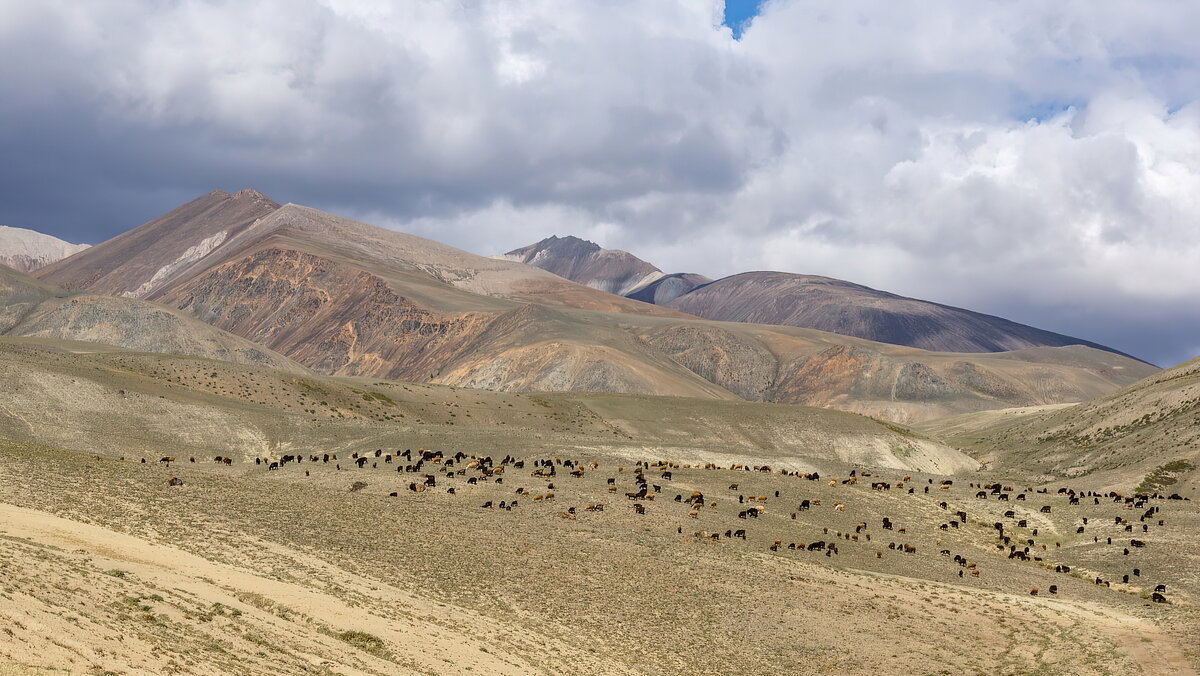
{"points": [[1036, 160]]}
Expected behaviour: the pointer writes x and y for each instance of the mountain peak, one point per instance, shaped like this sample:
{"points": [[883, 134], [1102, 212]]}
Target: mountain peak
{"points": [[586, 263], [250, 193], [29, 250]]}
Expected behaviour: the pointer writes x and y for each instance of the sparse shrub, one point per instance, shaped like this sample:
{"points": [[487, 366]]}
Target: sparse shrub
{"points": [[368, 643], [1162, 476]]}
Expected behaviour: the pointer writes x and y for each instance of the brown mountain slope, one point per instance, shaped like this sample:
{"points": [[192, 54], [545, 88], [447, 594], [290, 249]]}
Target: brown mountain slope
{"points": [[1146, 434], [346, 298], [578, 260], [136, 262], [804, 366], [120, 403], [339, 318], [854, 310], [669, 287], [217, 227], [33, 309]]}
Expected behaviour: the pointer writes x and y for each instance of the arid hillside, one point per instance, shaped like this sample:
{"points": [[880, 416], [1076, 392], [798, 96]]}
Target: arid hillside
{"points": [[134, 263], [345, 298], [189, 516], [27, 250], [669, 287], [119, 403], [1146, 436], [855, 310], [611, 270], [787, 299], [33, 309], [160, 255]]}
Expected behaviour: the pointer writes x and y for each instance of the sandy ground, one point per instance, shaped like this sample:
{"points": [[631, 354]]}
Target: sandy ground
{"points": [[242, 570]]}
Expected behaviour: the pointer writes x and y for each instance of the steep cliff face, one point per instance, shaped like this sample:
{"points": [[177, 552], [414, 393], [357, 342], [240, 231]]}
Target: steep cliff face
{"points": [[27, 250]]}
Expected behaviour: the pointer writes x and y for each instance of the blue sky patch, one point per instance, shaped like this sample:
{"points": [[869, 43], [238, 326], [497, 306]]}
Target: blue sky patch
{"points": [[738, 14]]}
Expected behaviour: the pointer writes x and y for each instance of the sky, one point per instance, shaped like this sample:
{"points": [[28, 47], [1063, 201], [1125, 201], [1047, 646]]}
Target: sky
{"points": [[1035, 160]]}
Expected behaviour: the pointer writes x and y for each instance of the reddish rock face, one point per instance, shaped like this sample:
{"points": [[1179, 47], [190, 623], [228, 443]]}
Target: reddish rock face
{"points": [[333, 318]]}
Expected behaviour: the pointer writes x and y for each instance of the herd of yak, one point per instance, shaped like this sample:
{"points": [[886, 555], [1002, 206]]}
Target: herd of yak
{"points": [[429, 465]]}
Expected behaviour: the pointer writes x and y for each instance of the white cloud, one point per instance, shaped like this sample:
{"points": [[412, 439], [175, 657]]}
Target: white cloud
{"points": [[1036, 159]]}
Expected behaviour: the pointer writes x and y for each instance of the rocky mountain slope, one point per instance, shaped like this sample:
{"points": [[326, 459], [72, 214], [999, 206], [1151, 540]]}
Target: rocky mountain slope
{"points": [[27, 250], [136, 262], [786, 299], [578, 260], [162, 254], [668, 287], [855, 310], [346, 298], [1146, 434], [32, 309]]}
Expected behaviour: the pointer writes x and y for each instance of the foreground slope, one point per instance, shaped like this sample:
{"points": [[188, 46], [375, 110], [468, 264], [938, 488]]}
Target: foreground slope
{"points": [[1145, 436], [341, 566], [855, 310], [27, 250], [33, 309]]}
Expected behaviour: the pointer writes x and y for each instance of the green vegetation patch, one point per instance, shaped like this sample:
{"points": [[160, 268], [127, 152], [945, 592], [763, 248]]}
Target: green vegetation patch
{"points": [[1163, 476], [378, 396], [368, 643]]}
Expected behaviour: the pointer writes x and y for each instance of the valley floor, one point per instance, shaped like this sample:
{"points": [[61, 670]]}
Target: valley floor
{"points": [[107, 569]]}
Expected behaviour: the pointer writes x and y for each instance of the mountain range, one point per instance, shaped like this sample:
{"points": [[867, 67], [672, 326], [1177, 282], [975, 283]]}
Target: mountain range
{"points": [[345, 298], [788, 299], [201, 433]]}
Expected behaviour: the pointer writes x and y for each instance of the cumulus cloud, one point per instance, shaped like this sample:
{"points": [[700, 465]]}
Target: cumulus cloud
{"points": [[1030, 159]]}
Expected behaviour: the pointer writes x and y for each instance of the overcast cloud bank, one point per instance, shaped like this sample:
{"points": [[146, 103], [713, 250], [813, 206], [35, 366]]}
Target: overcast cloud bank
{"points": [[1036, 160]]}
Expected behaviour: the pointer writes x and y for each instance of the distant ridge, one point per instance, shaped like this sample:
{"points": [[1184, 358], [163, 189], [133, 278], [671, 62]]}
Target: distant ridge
{"points": [[349, 299], [788, 299], [851, 309], [28, 250], [612, 270]]}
